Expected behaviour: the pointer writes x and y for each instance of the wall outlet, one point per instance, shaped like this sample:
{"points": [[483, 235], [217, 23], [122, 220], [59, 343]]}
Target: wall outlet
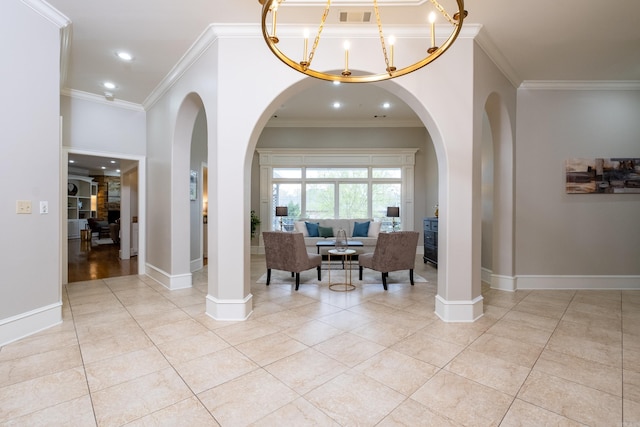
{"points": [[23, 206], [44, 207]]}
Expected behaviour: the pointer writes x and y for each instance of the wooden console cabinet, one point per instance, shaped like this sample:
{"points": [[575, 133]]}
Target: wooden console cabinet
{"points": [[431, 240]]}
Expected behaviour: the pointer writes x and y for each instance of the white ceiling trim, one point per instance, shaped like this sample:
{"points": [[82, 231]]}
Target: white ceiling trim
{"points": [[355, 3], [47, 11], [86, 96], [367, 123], [581, 85], [489, 47], [195, 51], [65, 53]]}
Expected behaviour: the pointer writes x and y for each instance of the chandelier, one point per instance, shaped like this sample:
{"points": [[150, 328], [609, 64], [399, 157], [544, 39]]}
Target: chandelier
{"points": [[303, 63]]}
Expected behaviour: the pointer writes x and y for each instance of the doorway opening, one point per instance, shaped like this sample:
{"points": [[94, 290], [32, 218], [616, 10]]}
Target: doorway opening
{"points": [[105, 240]]}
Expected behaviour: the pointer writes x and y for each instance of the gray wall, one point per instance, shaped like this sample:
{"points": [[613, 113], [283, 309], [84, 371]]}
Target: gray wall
{"points": [[29, 170], [574, 234], [426, 168]]}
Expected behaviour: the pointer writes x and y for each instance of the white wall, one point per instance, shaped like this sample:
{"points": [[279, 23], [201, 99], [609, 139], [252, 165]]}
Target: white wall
{"points": [[198, 156], [97, 126], [562, 234], [30, 297]]}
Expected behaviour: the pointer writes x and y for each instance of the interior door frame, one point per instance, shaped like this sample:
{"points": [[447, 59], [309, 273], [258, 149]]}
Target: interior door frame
{"points": [[142, 208]]}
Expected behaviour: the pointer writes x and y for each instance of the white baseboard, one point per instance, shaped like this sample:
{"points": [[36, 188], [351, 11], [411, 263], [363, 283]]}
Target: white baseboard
{"points": [[197, 264], [459, 311], [578, 282], [29, 323], [485, 275], [171, 282], [503, 283], [232, 310]]}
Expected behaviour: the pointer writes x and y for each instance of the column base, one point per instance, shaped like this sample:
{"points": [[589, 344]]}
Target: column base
{"points": [[229, 309], [459, 311]]}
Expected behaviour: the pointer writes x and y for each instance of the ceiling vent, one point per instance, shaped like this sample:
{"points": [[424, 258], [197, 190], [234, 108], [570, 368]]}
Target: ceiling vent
{"points": [[353, 17]]}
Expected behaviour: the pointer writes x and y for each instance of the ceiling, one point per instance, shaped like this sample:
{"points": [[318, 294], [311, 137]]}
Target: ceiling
{"points": [[544, 40]]}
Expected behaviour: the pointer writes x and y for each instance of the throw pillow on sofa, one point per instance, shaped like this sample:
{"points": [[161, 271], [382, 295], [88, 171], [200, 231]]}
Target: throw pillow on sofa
{"points": [[312, 228], [325, 231], [374, 228], [361, 229], [301, 227]]}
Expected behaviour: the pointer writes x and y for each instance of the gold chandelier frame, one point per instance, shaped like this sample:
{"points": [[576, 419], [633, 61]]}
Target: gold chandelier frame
{"points": [[270, 7]]}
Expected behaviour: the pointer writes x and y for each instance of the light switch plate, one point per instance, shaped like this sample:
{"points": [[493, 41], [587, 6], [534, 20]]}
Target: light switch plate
{"points": [[44, 207], [23, 206]]}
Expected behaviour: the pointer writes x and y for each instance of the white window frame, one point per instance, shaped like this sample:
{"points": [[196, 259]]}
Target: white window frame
{"points": [[403, 158]]}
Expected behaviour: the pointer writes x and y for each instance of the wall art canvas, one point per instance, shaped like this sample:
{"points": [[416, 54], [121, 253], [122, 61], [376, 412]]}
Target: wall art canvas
{"points": [[613, 176]]}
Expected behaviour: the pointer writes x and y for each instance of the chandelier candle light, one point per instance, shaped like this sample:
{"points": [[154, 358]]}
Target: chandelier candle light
{"points": [[270, 7]]}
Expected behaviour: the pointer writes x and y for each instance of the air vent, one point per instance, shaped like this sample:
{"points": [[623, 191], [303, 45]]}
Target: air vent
{"points": [[355, 16]]}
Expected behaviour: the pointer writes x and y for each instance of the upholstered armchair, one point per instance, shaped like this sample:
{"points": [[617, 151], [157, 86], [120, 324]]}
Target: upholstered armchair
{"points": [[394, 251], [287, 252]]}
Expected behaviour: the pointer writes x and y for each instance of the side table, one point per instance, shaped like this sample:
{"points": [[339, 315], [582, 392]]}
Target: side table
{"points": [[345, 256]]}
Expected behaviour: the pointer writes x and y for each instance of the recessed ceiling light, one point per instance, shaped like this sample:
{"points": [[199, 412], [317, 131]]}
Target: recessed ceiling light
{"points": [[386, 105], [109, 85], [125, 56], [336, 105], [71, 161], [118, 170], [113, 161], [102, 167], [336, 83]]}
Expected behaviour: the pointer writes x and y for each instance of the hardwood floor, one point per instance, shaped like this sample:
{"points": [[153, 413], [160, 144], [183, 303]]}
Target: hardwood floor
{"points": [[90, 261]]}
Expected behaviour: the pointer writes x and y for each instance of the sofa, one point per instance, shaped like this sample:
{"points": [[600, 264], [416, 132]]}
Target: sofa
{"points": [[327, 229]]}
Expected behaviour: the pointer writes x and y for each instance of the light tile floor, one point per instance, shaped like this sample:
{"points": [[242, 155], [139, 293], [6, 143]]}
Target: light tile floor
{"points": [[133, 353]]}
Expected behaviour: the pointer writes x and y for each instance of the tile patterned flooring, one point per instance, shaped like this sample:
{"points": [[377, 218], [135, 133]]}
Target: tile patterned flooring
{"points": [[129, 352]]}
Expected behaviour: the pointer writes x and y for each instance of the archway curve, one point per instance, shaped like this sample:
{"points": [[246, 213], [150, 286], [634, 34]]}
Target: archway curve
{"points": [[395, 88], [186, 116], [503, 235]]}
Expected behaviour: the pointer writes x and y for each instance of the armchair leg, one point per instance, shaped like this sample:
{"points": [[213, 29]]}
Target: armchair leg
{"points": [[360, 275], [268, 276], [411, 276], [319, 274], [384, 280], [297, 280]]}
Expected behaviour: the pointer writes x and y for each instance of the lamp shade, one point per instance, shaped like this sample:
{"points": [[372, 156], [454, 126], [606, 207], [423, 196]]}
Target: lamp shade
{"points": [[282, 211], [393, 212]]}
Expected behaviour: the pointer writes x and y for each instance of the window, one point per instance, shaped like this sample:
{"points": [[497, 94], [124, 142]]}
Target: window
{"points": [[359, 193], [349, 183]]}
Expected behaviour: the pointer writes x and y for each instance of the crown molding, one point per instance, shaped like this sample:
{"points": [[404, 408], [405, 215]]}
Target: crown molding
{"points": [[580, 85], [494, 54], [195, 51], [65, 53], [86, 96], [215, 31], [380, 123], [356, 3], [47, 11]]}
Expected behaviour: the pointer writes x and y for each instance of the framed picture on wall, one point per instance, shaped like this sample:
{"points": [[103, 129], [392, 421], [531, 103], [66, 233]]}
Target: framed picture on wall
{"points": [[610, 176], [193, 186]]}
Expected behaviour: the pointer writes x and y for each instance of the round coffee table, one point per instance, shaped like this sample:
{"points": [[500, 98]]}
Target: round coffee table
{"points": [[345, 256]]}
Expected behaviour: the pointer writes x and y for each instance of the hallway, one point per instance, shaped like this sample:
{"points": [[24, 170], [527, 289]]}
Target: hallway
{"points": [[88, 260]]}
